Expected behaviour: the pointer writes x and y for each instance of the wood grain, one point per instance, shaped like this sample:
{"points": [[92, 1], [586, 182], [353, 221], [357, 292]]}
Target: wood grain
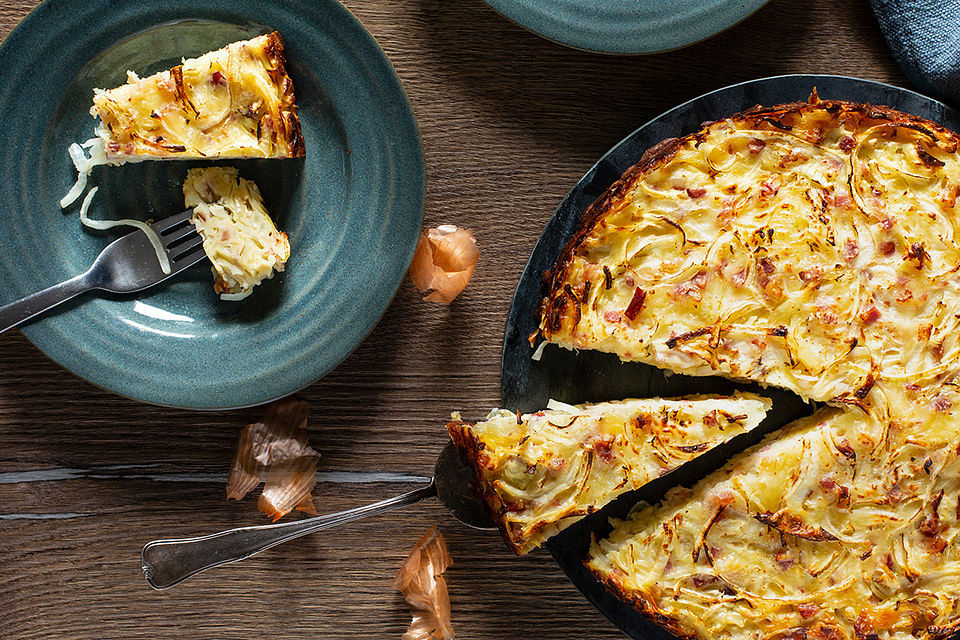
{"points": [[509, 122]]}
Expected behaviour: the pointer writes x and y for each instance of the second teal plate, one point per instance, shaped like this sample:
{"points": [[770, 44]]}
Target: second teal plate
{"points": [[626, 26]]}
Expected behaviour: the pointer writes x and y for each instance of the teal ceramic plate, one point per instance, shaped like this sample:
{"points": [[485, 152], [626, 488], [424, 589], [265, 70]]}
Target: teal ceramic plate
{"points": [[353, 208], [626, 26]]}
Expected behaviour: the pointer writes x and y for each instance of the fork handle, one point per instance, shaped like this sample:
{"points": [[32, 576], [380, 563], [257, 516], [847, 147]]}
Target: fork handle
{"points": [[22, 310], [166, 563]]}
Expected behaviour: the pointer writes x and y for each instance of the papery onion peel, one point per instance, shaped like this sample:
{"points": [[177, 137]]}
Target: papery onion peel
{"points": [[444, 262], [421, 582], [275, 451]]}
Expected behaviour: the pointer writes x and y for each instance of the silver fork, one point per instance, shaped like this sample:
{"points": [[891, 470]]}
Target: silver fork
{"points": [[128, 264]]}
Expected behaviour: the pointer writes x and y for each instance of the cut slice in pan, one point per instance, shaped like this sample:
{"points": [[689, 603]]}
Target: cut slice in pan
{"points": [[809, 246], [541, 472], [835, 528], [235, 102]]}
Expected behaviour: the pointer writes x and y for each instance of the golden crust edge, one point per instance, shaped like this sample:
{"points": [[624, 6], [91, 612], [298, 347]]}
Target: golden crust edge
{"points": [[654, 157], [468, 446]]}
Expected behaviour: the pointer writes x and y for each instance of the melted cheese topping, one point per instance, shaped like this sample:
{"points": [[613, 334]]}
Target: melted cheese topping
{"points": [[812, 248], [838, 528], [234, 102], [238, 235], [542, 472]]}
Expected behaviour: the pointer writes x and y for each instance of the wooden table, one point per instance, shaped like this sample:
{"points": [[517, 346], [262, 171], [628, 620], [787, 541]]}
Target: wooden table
{"points": [[509, 123]]}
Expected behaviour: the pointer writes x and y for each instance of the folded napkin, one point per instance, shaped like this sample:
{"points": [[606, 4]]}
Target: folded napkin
{"points": [[924, 36]]}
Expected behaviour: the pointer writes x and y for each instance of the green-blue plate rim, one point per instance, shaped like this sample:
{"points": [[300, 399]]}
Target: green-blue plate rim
{"points": [[278, 361], [627, 27]]}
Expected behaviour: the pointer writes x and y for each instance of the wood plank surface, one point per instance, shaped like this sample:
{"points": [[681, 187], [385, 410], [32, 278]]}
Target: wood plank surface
{"points": [[509, 123]]}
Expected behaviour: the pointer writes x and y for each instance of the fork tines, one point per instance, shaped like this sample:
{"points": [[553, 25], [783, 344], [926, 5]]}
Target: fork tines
{"points": [[179, 236]]}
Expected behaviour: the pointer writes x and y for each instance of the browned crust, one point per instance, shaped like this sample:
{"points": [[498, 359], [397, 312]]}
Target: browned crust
{"points": [[645, 607], [817, 631], [289, 122], [470, 449], [553, 308]]}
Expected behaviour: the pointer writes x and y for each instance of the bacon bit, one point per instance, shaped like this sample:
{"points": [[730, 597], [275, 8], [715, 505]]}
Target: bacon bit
{"points": [[217, 79], [710, 419], [444, 262], [699, 192], [421, 582], [886, 224], [720, 498], [843, 446], [701, 579], [739, 277], [813, 274], [843, 496], [894, 496], [800, 633], [636, 303], [783, 559], [276, 451], [918, 253], [846, 143], [688, 289], [604, 449], [887, 247], [941, 404], [612, 316], [756, 145], [768, 187], [807, 610], [767, 265], [628, 280], [790, 158], [842, 201], [870, 315], [850, 249]]}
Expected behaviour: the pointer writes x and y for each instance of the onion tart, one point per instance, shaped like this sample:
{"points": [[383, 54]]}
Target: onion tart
{"points": [[541, 472]]}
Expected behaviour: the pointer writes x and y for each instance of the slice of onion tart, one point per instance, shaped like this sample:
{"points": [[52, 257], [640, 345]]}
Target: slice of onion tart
{"points": [[836, 528], [810, 246], [541, 472], [238, 235], [235, 102]]}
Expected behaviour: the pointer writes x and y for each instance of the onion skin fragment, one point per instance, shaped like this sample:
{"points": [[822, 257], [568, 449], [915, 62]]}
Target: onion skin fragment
{"points": [[421, 582], [275, 451], [443, 262]]}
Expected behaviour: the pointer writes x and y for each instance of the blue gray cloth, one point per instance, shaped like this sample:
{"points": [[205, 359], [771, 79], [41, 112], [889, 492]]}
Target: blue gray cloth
{"points": [[924, 36]]}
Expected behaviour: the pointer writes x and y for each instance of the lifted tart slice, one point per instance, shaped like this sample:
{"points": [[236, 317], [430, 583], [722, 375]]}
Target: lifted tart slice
{"points": [[239, 237], [539, 473], [809, 246], [231, 103]]}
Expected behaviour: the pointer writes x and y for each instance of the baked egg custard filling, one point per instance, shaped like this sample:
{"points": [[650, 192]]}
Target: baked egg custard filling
{"points": [[541, 472]]}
